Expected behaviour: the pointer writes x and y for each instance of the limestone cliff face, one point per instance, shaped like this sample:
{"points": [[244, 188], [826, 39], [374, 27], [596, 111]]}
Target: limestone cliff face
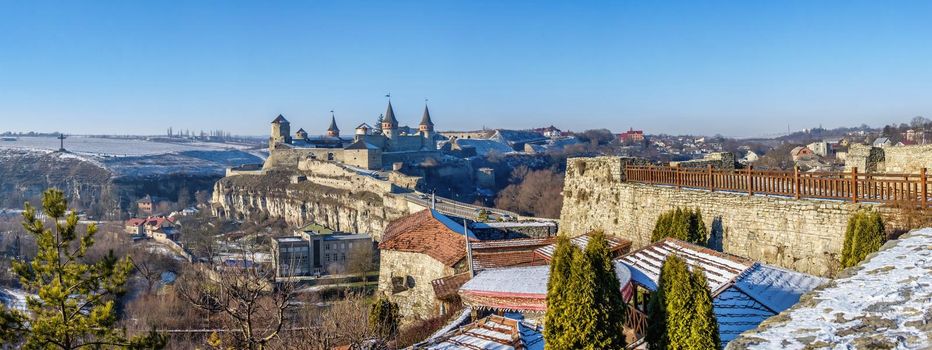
{"points": [[302, 197]]}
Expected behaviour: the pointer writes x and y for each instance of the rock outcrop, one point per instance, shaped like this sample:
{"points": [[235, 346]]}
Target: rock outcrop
{"points": [[317, 192]]}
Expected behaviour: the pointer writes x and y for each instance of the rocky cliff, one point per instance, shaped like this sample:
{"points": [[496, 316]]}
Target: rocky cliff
{"points": [[312, 196], [104, 185]]}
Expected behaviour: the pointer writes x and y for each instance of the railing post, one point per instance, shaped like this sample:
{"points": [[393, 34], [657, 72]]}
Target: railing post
{"points": [[796, 189], [676, 176], [750, 180], [854, 184], [923, 186], [711, 179]]}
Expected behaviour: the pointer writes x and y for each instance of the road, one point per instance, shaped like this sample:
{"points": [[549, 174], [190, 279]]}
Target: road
{"points": [[451, 207]]}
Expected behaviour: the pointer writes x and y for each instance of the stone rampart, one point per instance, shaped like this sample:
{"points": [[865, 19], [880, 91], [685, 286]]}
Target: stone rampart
{"points": [[902, 159], [803, 235]]}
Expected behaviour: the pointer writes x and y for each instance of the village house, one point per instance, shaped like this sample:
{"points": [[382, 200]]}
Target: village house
{"points": [[157, 227], [416, 250], [425, 260], [802, 153]]}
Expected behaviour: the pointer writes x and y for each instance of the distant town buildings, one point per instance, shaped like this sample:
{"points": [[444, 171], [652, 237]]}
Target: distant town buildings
{"points": [[157, 227], [632, 136]]}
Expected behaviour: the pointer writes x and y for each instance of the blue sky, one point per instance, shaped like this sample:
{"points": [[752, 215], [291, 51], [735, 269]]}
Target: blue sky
{"points": [[742, 68]]}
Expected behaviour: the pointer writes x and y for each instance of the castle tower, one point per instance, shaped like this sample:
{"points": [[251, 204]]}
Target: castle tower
{"points": [[389, 123], [333, 130], [426, 128], [300, 134], [281, 132]]}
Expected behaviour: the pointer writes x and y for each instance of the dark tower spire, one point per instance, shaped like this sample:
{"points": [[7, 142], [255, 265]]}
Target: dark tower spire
{"points": [[333, 130], [425, 120]]}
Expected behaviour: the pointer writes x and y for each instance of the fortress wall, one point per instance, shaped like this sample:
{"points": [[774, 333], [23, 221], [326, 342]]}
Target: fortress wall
{"points": [[802, 235], [904, 159]]}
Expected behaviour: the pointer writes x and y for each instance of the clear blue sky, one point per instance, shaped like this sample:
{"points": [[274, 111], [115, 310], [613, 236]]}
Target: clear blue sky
{"points": [[741, 68]]}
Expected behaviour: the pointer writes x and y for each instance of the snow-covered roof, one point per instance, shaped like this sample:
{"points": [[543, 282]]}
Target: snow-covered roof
{"points": [[484, 147], [491, 333], [520, 288], [745, 293], [720, 268], [776, 288], [882, 303]]}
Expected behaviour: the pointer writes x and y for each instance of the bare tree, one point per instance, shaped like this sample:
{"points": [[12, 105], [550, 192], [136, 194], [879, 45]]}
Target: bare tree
{"points": [[244, 297]]}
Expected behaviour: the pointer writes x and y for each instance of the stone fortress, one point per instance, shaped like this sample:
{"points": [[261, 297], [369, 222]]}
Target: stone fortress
{"points": [[369, 148]]}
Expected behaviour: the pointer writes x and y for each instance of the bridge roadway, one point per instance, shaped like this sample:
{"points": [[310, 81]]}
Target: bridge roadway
{"points": [[451, 207]]}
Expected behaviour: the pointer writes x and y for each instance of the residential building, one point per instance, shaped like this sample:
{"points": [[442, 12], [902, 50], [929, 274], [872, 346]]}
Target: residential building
{"points": [[632, 136], [493, 332], [158, 227], [802, 153], [311, 253]]}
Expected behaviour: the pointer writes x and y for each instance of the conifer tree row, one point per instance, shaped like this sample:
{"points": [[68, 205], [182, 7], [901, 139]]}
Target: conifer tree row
{"points": [[683, 224], [585, 308], [680, 312], [864, 235]]}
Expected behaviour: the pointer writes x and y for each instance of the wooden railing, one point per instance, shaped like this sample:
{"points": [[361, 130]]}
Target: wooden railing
{"points": [[636, 320], [909, 189]]}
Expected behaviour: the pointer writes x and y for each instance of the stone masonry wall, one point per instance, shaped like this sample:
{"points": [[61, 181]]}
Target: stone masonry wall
{"points": [[903, 159], [418, 301], [803, 235]]}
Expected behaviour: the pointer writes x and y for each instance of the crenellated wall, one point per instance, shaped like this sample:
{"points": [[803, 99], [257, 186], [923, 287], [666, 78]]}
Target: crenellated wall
{"points": [[803, 235]]}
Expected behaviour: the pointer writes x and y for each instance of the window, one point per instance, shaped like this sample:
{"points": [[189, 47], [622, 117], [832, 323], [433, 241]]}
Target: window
{"points": [[327, 256]]}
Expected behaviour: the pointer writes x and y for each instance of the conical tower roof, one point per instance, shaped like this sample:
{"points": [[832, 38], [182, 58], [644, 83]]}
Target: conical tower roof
{"points": [[425, 120], [333, 123], [280, 119], [390, 116]]}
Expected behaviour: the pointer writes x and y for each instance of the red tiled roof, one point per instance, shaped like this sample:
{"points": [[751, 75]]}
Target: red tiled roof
{"points": [[425, 232], [135, 222], [508, 253], [446, 287]]}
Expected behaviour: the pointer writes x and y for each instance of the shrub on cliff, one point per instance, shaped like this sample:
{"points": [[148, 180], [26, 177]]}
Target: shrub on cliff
{"points": [[864, 235], [680, 312], [588, 310], [683, 224]]}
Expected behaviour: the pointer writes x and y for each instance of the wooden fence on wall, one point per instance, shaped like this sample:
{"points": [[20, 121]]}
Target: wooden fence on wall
{"points": [[847, 186]]}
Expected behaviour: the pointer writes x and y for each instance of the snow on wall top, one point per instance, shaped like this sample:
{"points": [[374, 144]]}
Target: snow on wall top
{"points": [[882, 303]]}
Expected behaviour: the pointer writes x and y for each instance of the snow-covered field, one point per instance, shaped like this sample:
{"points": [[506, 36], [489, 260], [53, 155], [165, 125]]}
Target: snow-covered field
{"points": [[98, 146], [140, 158]]}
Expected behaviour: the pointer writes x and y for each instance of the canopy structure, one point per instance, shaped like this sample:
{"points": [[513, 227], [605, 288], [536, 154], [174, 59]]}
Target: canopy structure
{"points": [[522, 289]]}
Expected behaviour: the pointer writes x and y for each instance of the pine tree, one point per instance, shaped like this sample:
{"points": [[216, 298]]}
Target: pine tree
{"points": [[558, 287], [75, 303], [607, 300], [863, 236], [384, 318], [682, 224], [678, 301], [680, 312], [704, 325]]}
